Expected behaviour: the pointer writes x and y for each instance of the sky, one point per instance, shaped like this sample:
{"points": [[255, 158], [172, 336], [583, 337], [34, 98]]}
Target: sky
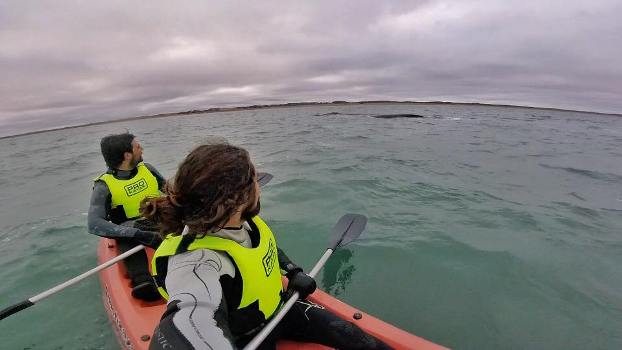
{"points": [[74, 62]]}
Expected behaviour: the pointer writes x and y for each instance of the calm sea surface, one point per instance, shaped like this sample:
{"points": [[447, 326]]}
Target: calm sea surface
{"points": [[489, 227]]}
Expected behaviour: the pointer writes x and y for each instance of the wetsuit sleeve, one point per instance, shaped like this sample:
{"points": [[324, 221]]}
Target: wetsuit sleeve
{"points": [[97, 217], [286, 264], [200, 315], [161, 180]]}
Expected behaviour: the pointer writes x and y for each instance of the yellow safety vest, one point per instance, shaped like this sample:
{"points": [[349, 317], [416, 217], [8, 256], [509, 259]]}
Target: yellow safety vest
{"points": [[129, 193], [259, 266]]}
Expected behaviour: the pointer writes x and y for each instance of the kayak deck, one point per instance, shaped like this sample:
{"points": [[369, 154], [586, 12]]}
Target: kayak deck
{"points": [[134, 320]]}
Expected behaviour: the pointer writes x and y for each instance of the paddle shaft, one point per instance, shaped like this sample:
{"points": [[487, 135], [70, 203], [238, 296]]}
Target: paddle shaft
{"points": [[286, 307], [31, 301]]}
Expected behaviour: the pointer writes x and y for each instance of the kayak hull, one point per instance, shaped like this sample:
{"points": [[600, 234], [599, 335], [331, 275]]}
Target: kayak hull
{"points": [[134, 320]]}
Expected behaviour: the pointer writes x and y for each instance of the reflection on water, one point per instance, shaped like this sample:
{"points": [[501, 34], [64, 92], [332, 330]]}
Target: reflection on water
{"points": [[338, 272]]}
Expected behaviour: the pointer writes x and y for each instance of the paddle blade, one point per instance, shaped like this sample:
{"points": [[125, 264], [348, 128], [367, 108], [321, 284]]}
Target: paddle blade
{"points": [[263, 178], [6, 312], [347, 229]]}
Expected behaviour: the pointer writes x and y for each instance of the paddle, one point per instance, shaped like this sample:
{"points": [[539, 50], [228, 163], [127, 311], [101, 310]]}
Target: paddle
{"points": [[262, 179], [31, 301], [347, 229]]}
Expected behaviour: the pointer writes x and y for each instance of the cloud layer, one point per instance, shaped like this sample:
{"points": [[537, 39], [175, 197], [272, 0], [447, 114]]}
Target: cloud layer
{"points": [[73, 61]]}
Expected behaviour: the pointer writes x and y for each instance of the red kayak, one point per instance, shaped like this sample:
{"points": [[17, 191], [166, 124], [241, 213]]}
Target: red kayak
{"points": [[134, 320]]}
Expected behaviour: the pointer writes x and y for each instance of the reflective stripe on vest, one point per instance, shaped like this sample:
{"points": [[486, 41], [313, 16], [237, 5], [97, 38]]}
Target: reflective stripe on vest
{"points": [[129, 193], [259, 266]]}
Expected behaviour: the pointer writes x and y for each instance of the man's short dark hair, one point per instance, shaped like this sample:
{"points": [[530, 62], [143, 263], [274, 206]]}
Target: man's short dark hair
{"points": [[114, 147]]}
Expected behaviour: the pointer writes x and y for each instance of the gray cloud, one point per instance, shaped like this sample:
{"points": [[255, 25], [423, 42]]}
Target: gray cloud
{"points": [[72, 61]]}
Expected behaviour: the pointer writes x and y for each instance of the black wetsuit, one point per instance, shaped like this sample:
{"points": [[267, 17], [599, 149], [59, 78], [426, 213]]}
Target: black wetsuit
{"points": [[101, 223], [311, 323]]}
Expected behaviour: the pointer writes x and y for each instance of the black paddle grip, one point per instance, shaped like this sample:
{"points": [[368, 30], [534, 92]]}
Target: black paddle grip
{"points": [[15, 308]]}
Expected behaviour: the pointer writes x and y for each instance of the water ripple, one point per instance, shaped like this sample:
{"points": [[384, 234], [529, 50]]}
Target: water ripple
{"points": [[593, 174]]}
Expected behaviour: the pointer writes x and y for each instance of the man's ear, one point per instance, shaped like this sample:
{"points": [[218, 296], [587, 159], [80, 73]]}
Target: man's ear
{"points": [[127, 155]]}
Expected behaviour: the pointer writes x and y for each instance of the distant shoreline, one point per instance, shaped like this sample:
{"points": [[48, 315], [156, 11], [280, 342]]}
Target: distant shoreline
{"points": [[296, 104]]}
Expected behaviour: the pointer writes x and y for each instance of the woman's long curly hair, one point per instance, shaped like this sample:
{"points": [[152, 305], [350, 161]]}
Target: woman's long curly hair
{"points": [[211, 184]]}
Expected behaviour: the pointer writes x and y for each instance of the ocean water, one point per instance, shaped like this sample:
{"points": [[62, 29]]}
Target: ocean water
{"points": [[489, 227]]}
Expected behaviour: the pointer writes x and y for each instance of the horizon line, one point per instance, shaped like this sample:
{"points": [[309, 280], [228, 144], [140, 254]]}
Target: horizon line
{"points": [[293, 104]]}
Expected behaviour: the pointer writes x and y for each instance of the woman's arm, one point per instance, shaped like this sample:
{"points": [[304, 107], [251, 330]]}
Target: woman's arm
{"points": [[196, 296]]}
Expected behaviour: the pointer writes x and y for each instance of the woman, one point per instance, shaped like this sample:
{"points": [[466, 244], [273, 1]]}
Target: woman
{"points": [[221, 276]]}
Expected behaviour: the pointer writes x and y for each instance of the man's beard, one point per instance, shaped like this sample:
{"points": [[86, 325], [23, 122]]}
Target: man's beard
{"points": [[249, 213], [135, 161]]}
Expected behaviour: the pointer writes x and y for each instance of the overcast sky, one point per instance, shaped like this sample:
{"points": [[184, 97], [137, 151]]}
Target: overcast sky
{"points": [[68, 62]]}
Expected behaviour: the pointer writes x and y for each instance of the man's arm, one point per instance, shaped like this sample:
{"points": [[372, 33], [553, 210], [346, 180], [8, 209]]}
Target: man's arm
{"points": [[99, 225], [161, 180], [97, 222]]}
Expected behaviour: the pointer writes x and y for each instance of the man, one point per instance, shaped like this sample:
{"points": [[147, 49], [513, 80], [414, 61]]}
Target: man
{"points": [[115, 204]]}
